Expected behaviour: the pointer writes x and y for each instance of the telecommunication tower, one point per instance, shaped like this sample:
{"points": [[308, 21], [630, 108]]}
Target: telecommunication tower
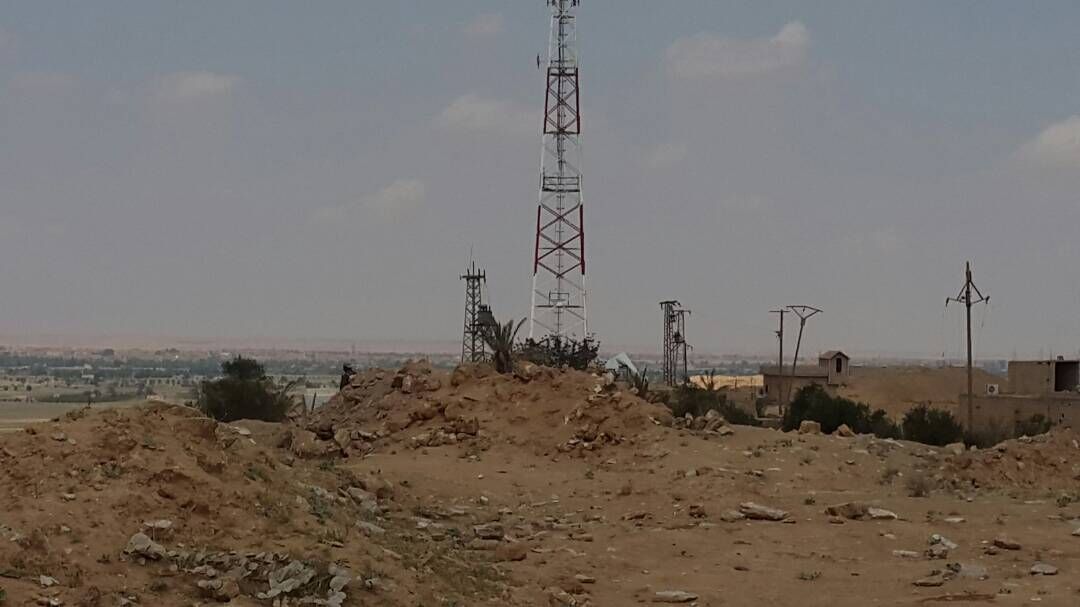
{"points": [[675, 345], [558, 287], [472, 342]]}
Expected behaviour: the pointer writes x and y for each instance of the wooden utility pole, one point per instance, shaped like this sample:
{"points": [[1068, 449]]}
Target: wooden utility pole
{"points": [[780, 358], [965, 298]]}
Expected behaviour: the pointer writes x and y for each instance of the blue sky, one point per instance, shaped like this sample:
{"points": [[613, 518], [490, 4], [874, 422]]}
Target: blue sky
{"points": [[280, 169]]}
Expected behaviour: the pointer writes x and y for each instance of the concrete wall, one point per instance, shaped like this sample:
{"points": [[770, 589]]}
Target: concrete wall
{"points": [[791, 384], [1031, 376], [1002, 412]]}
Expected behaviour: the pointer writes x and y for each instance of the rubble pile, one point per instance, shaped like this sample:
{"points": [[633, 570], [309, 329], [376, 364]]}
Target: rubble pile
{"points": [[419, 407], [161, 506]]}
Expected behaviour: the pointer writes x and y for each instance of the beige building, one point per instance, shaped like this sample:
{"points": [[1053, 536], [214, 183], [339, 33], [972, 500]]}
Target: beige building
{"points": [[1050, 388], [833, 369]]}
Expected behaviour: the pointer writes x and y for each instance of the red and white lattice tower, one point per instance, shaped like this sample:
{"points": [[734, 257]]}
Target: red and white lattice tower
{"points": [[558, 298]]}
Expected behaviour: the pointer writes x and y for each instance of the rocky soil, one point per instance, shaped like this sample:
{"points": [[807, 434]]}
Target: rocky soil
{"points": [[420, 488]]}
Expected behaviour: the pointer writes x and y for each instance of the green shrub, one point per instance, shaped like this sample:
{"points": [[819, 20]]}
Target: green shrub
{"points": [[1033, 426], [815, 404], [992, 434], [697, 401], [245, 392], [559, 352], [931, 426]]}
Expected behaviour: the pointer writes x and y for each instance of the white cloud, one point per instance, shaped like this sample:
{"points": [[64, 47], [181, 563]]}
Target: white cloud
{"points": [[181, 87], [487, 24], [666, 155], [705, 55], [1058, 145], [400, 196], [483, 115]]}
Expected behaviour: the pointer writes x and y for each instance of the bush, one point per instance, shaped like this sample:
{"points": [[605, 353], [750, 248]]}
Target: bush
{"points": [[931, 426], [559, 352], [992, 434], [815, 404], [1033, 426], [688, 398], [245, 392]]}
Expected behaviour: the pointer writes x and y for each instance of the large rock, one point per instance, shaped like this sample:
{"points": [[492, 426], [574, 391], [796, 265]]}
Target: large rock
{"points": [[1006, 543], [955, 448], [809, 427], [516, 551], [850, 510], [223, 590], [761, 513], [489, 531], [1043, 569], [844, 431], [674, 596], [140, 544]]}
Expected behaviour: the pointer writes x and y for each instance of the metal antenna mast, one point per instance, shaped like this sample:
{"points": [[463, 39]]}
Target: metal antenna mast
{"points": [[675, 345], [472, 341], [965, 298], [558, 290]]}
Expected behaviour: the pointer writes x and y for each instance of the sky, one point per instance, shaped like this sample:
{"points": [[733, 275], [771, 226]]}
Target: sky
{"points": [[268, 168]]}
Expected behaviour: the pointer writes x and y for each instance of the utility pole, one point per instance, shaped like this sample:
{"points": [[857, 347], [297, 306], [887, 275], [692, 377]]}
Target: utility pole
{"points": [[558, 281], [804, 313], [965, 298], [780, 358], [675, 345]]}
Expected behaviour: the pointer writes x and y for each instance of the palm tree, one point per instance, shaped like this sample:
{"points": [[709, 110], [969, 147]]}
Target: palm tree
{"points": [[500, 338]]}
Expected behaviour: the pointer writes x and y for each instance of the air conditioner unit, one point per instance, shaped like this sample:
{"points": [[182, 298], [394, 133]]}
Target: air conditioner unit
{"points": [[993, 389]]}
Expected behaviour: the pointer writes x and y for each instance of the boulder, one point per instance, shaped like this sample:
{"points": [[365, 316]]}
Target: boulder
{"points": [[674, 596], [761, 513], [515, 551], [844, 431], [140, 544], [1043, 569], [809, 427]]}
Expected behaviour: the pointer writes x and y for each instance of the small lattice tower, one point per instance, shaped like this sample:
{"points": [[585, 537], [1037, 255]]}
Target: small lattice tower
{"points": [[675, 345], [472, 341]]}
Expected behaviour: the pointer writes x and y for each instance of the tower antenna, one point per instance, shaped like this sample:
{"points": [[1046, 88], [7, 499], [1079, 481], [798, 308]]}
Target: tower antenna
{"points": [[558, 284], [966, 298], [472, 340], [675, 344]]}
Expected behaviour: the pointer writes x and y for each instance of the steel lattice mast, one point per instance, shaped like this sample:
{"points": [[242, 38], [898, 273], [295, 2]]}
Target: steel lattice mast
{"points": [[558, 297], [675, 345], [472, 341]]}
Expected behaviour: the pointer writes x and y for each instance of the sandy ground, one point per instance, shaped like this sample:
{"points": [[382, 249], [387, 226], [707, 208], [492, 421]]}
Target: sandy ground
{"points": [[549, 488]]}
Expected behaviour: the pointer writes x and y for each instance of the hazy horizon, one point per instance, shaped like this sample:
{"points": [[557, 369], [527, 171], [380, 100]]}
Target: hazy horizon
{"points": [[276, 171]]}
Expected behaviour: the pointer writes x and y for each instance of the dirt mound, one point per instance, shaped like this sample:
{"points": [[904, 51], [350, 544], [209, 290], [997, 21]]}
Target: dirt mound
{"points": [[537, 408], [1047, 462], [160, 506]]}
